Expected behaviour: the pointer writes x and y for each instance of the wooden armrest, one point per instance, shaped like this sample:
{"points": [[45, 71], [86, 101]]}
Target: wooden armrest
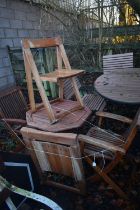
{"points": [[15, 121], [114, 116], [100, 143]]}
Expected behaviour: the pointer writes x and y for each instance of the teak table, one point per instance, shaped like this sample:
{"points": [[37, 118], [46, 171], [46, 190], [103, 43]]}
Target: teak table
{"points": [[122, 87]]}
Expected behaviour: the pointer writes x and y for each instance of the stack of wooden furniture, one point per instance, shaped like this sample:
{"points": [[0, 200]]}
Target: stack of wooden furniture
{"points": [[60, 114], [63, 152]]}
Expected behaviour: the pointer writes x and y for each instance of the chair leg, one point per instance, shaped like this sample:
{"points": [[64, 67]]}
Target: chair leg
{"points": [[108, 180], [107, 168]]}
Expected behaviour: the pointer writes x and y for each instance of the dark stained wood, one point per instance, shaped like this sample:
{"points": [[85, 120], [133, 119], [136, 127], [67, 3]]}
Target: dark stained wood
{"points": [[73, 119], [4, 194], [109, 145], [13, 104], [120, 87], [114, 116]]}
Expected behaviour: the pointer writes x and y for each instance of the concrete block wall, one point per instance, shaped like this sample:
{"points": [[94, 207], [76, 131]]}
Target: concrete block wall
{"points": [[18, 20]]}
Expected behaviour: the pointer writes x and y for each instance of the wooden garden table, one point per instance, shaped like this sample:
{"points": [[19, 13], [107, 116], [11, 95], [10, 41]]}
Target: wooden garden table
{"points": [[123, 86]]}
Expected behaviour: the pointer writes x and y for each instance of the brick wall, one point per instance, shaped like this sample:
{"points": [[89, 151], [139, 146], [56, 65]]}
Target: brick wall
{"points": [[18, 20]]}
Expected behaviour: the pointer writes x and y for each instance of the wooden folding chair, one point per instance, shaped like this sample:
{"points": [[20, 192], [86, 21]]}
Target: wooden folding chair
{"points": [[102, 144], [113, 63], [58, 153]]}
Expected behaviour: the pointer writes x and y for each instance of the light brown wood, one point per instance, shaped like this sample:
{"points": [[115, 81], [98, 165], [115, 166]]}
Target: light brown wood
{"points": [[61, 89], [61, 83], [71, 120], [60, 74], [64, 57], [35, 73], [40, 43], [77, 93], [48, 136], [29, 83], [56, 153], [74, 85], [57, 76]]}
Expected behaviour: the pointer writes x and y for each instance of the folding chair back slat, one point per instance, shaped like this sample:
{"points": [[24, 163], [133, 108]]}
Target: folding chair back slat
{"points": [[112, 63], [56, 152], [93, 101]]}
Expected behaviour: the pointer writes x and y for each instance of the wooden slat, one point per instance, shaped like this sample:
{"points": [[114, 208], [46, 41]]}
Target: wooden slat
{"points": [[41, 43], [54, 152], [112, 63], [93, 101], [121, 88], [29, 82], [59, 66], [60, 74], [100, 143], [13, 104], [72, 120]]}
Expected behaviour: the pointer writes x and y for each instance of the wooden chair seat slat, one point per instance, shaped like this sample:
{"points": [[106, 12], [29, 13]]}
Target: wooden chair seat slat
{"points": [[93, 101], [102, 134]]}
